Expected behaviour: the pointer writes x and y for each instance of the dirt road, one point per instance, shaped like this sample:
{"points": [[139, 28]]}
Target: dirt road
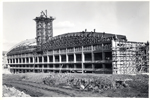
{"points": [[41, 90]]}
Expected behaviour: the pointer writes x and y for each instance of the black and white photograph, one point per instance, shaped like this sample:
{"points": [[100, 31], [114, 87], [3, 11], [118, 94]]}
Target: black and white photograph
{"points": [[75, 49]]}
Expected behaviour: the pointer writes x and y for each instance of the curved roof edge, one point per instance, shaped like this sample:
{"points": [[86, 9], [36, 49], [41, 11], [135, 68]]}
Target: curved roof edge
{"points": [[25, 43]]}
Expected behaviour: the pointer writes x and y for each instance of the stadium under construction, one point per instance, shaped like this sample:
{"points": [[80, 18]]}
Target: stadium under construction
{"points": [[77, 52]]}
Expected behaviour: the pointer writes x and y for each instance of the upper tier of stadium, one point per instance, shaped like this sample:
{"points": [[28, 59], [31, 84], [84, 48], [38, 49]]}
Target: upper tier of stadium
{"points": [[67, 40]]}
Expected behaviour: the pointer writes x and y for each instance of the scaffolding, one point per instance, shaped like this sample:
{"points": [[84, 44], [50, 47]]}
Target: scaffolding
{"points": [[129, 57]]}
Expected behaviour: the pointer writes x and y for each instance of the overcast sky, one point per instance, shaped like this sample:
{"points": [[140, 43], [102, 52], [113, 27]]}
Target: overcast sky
{"points": [[125, 18]]}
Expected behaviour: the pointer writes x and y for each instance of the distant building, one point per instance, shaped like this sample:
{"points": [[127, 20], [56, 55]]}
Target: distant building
{"points": [[5, 65], [4, 60], [77, 52]]}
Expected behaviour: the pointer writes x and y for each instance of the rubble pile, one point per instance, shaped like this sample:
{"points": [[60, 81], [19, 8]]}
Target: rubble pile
{"points": [[86, 84], [13, 92]]}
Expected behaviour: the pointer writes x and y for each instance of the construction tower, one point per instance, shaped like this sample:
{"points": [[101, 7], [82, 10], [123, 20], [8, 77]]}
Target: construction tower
{"points": [[44, 28]]}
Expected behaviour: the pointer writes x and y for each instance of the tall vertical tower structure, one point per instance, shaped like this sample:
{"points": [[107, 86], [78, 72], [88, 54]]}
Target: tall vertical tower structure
{"points": [[44, 28]]}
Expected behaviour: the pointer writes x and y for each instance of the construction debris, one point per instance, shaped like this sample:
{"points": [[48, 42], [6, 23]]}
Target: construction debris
{"points": [[13, 92]]}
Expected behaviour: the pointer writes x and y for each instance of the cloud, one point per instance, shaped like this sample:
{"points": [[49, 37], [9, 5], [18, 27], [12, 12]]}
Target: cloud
{"points": [[64, 24]]}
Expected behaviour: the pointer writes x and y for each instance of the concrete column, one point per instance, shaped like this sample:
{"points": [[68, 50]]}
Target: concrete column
{"points": [[82, 68], [75, 66], [74, 55], [11, 70], [103, 56], [15, 60], [74, 49], [12, 60], [54, 66], [67, 66], [53, 59], [53, 56], [42, 59], [18, 60], [59, 58], [67, 58], [83, 59], [19, 71], [24, 70], [32, 67], [92, 47], [47, 65], [42, 68], [29, 59], [92, 56], [93, 67], [38, 59], [25, 60], [47, 58], [59, 51], [14, 71], [9, 60], [33, 58], [21, 60]]}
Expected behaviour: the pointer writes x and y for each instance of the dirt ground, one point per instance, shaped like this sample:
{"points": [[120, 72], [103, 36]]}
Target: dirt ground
{"points": [[41, 90], [33, 85]]}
